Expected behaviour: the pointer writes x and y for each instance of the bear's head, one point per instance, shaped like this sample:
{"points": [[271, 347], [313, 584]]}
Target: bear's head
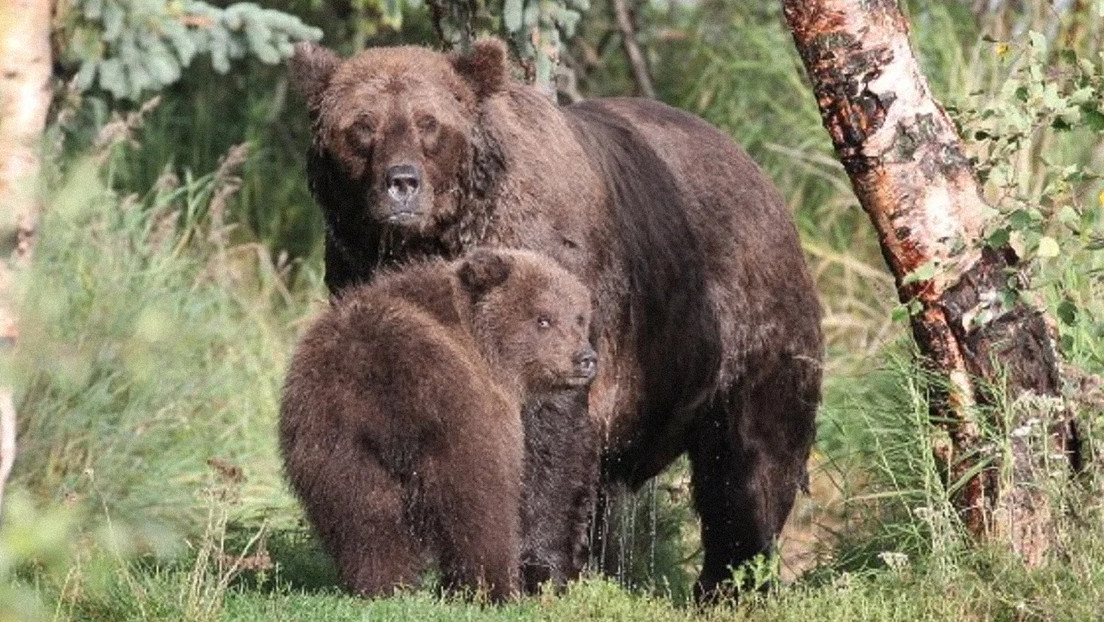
{"points": [[532, 317], [396, 131]]}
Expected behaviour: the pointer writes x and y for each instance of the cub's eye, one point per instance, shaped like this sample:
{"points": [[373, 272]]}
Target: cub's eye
{"points": [[580, 320], [544, 322], [427, 124]]}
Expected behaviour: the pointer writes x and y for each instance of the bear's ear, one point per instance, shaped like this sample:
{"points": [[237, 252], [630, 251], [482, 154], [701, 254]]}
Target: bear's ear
{"points": [[485, 67], [311, 68], [482, 270]]}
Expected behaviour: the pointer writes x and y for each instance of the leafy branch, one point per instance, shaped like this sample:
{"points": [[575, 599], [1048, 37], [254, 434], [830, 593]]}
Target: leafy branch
{"points": [[129, 47]]}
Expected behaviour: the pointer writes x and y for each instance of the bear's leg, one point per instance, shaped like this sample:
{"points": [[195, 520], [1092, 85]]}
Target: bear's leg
{"points": [[748, 456], [374, 543], [478, 516], [560, 487]]}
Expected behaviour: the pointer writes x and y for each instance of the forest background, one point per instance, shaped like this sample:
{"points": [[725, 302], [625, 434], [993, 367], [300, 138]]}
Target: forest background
{"points": [[179, 256]]}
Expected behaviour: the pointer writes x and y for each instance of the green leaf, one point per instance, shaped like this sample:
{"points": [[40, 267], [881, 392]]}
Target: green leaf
{"points": [[1082, 95], [1038, 41], [923, 272], [163, 67], [93, 10], [1051, 97], [511, 15], [998, 238], [232, 17], [1093, 118], [182, 42], [87, 75], [112, 78], [1017, 243], [393, 11], [903, 312], [1048, 247], [1066, 343], [1059, 124], [267, 53], [1023, 220], [1067, 312], [1067, 215], [113, 21], [900, 313], [140, 78], [530, 17]]}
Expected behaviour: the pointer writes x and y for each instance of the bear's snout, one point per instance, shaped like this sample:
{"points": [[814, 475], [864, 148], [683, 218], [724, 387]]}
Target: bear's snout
{"points": [[403, 183], [586, 363]]}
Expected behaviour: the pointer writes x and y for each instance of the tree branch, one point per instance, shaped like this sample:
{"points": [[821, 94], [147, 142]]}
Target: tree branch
{"points": [[632, 48]]}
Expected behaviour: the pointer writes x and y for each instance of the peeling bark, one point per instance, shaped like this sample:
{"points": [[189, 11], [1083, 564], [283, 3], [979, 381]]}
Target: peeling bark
{"points": [[25, 65], [908, 168]]}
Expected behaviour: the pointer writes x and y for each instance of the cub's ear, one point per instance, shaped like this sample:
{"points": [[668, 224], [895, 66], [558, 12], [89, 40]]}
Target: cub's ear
{"points": [[485, 67], [482, 270], [311, 68]]}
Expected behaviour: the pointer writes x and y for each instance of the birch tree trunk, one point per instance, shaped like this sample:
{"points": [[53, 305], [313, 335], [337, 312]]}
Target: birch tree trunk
{"points": [[912, 177], [25, 65]]}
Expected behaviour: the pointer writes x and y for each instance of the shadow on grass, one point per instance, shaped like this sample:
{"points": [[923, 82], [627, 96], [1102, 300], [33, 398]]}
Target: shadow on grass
{"points": [[289, 559]]}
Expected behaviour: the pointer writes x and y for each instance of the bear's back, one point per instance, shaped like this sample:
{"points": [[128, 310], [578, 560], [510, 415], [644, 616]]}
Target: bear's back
{"points": [[391, 364]]}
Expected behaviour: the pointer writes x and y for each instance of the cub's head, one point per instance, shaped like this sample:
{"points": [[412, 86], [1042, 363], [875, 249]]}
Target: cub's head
{"points": [[396, 140], [532, 316]]}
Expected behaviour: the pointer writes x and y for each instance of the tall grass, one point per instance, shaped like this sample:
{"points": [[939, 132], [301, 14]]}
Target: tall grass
{"points": [[152, 348]]}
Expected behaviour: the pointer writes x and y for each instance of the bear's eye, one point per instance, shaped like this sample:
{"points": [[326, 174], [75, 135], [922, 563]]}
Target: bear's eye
{"points": [[427, 124], [363, 125], [544, 322], [360, 133], [580, 320]]}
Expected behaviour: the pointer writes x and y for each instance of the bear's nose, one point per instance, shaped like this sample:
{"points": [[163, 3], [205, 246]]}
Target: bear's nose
{"points": [[586, 363], [403, 181]]}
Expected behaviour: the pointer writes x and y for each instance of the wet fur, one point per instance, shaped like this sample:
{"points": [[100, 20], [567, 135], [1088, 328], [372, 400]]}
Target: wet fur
{"points": [[709, 323], [401, 421]]}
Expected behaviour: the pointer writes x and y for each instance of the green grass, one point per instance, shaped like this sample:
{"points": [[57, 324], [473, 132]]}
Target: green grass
{"points": [[977, 586], [148, 357]]}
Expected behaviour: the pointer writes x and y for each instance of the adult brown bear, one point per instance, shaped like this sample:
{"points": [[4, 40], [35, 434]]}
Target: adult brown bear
{"points": [[400, 424], [710, 326]]}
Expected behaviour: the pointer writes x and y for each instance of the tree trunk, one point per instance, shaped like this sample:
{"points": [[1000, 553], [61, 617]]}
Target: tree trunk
{"points": [[632, 48], [25, 66], [911, 175], [454, 22]]}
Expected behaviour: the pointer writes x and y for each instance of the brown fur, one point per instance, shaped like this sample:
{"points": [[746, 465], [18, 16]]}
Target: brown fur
{"points": [[401, 426], [710, 336]]}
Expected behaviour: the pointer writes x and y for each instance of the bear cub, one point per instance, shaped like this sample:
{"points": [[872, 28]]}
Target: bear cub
{"points": [[401, 421]]}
